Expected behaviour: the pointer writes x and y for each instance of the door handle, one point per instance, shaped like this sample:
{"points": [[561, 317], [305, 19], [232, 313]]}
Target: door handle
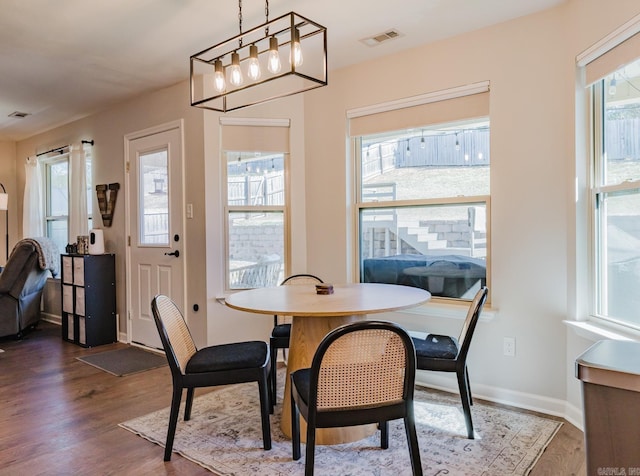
{"points": [[175, 253]]}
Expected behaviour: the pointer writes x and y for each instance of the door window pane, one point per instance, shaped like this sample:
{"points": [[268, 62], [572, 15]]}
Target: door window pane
{"points": [[154, 198]]}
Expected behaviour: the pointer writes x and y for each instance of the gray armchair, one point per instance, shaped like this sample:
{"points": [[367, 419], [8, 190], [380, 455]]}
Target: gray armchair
{"points": [[21, 284]]}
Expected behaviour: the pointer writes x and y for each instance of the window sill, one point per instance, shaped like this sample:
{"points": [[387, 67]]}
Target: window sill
{"points": [[596, 331], [442, 309]]}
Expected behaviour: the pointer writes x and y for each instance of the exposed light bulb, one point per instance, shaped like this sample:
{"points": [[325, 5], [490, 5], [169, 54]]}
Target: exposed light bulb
{"points": [[273, 59], [612, 87], [218, 76], [253, 70], [480, 156], [457, 143], [296, 49], [422, 144], [234, 70], [408, 149]]}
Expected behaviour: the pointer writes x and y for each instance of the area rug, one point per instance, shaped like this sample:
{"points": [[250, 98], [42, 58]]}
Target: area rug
{"points": [[126, 361], [224, 436]]}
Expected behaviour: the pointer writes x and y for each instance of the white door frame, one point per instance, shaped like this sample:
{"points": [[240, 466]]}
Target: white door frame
{"points": [[177, 124]]}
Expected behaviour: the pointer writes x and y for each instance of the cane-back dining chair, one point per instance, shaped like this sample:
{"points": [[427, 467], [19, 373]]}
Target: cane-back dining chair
{"points": [[208, 367], [448, 354], [361, 373], [281, 332]]}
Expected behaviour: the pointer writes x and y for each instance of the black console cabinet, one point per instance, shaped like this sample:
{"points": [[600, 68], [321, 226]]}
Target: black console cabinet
{"points": [[88, 299]]}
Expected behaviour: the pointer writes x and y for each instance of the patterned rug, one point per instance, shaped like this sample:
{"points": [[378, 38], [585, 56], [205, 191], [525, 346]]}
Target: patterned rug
{"points": [[224, 437]]}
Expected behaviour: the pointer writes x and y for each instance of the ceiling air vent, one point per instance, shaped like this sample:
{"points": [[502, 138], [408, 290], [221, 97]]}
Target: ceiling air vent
{"points": [[19, 114], [375, 40]]}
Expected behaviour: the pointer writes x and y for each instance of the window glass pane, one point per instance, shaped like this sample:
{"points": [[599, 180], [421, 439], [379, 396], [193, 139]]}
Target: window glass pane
{"points": [[57, 231], [255, 179], [256, 249], [58, 189], [436, 243], [619, 260], [154, 198], [435, 162], [438, 248], [89, 189], [622, 125]]}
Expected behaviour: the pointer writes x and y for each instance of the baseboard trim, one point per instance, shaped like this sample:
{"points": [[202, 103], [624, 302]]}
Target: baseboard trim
{"points": [[526, 401], [574, 416], [52, 318]]}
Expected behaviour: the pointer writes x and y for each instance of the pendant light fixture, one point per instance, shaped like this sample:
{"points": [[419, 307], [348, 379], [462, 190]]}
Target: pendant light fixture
{"points": [[279, 58]]}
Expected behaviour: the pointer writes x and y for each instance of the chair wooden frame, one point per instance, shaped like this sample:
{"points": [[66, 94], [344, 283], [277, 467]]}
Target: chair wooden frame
{"points": [[458, 362], [172, 327], [281, 332], [398, 403]]}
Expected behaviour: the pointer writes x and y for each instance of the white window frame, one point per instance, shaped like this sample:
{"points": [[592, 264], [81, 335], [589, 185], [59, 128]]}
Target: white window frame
{"points": [[360, 205], [59, 156], [598, 190], [600, 59], [48, 217], [228, 209]]}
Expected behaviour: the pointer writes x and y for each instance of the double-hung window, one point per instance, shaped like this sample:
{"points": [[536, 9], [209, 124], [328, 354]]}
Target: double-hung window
{"points": [[57, 196], [56, 173], [615, 183], [422, 194], [256, 164]]}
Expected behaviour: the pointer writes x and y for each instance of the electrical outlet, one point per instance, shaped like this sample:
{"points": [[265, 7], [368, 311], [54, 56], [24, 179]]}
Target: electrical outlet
{"points": [[509, 346]]}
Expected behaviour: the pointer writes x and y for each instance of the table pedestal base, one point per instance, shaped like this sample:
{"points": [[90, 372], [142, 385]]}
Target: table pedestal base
{"points": [[306, 335]]}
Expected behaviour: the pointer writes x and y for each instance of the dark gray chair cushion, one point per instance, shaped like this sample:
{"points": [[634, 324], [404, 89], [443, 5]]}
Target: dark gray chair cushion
{"points": [[436, 347], [234, 356]]}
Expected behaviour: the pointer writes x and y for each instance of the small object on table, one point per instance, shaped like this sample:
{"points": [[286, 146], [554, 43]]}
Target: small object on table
{"points": [[324, 288]]}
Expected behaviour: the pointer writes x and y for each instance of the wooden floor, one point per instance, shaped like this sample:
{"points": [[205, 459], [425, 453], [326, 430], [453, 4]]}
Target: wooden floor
{"points": [[60, 416]]}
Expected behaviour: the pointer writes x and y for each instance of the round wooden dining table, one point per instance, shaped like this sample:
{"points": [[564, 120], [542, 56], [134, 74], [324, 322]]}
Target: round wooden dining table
{"points": [[313, 317]]}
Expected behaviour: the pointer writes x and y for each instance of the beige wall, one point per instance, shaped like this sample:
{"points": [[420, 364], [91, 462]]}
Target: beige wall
{"points": [[8, 179], [108, 129], [538, 243], [530, 63]]}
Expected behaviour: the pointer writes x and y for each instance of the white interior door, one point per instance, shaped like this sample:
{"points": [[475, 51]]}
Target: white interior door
{"points": [[156, 251]]}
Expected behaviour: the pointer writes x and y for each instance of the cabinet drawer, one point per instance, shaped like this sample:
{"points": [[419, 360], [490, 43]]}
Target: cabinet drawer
{"points": [[67, 298], [67, 270], [70, 326], [82, 330], [78, 271], [80, 301]]}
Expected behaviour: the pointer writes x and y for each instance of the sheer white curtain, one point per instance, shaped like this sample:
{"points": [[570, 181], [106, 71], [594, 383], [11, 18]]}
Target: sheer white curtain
{"points": [[78, 216], [32, 211]]}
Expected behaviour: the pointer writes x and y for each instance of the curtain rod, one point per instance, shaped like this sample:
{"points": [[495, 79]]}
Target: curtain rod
{"points": [[59, 149]]}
